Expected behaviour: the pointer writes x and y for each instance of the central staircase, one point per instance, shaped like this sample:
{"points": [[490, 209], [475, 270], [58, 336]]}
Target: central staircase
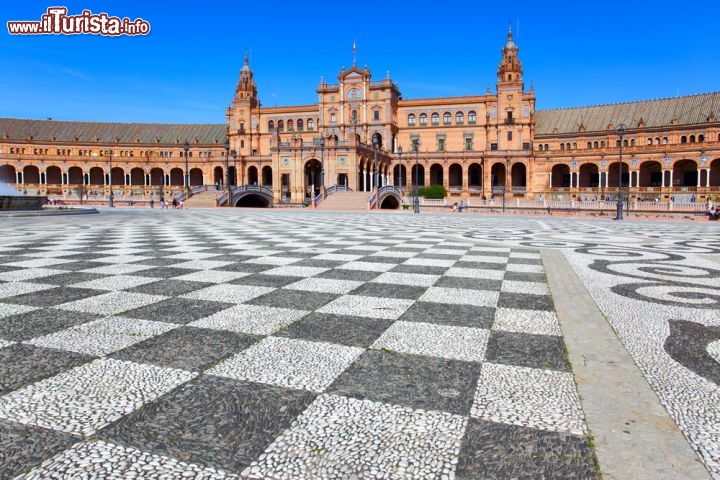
{"points": [[202, 199], [346, 201]]}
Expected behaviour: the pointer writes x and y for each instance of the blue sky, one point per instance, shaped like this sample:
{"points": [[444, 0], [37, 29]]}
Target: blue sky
{"points": [[185, 70]]}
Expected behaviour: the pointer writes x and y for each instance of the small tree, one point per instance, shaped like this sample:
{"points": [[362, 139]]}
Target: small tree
{"points": [[432, 192]]}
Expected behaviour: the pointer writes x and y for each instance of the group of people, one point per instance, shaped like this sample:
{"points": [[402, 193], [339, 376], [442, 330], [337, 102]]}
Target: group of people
{"points": [[164, 204], [458, 207]]}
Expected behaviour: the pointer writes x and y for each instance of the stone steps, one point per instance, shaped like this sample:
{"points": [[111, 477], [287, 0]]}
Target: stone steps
{"points": [[346, 201], [203, 199]]}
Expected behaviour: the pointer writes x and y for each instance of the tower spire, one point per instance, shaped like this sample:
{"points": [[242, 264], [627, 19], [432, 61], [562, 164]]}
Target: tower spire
{"points": [[354, 52]]}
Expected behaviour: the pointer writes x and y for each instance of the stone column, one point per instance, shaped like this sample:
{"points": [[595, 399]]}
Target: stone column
{"points": [[662, 185], [550, 180], [707, 177]]}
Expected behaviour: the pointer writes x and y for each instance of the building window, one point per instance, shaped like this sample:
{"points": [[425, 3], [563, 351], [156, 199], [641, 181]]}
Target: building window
{"points": [[435, 119], [290, 125], [446, 118], [354, 116], [423, 119], [589, 145], [683, 139], [469, 144], [562, 146], [376, 115], [271, 126], [300, 125], [493, 112], [471, 118], [411, 120], [310, 124], [281, 126], [701, 138], [692, 138], [574, 146], [441, 144], [493, 146], [509, 135], [333, 117], [459, 118]]}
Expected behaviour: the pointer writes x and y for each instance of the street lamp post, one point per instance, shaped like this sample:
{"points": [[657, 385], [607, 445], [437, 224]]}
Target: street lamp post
{"points": [[400, 165], [375, 172], [186, 147], [416, 200], [111, 198], [322, 165], [227, 169], [619, 215]]}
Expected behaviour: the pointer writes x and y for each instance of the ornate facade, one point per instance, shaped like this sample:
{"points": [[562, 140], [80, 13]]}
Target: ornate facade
{"points": [[362, 134]]}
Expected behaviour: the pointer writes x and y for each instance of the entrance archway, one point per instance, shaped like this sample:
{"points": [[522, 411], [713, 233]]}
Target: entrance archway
{"points": [[518, 176], [685, 174], [267, 177], [560, 176], [588, 175], [312, 171], [252, 175], [497, 174]]}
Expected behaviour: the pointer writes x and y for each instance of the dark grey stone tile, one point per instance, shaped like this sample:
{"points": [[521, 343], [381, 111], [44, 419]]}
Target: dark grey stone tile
{"points": [[410, 380], [525, 301], [177, 310], [357, 275], [480, 265], [498, 451], [473, 283], [449, 314], [23, 447], [5, 268], [70, 278], [310, 262], [260, 280], [41, 322], [169, 287], [213, 421], [525, 261], [160, 261], [187, 348], [526, 350], [164, 272], [22, 364], [53, 296], [245, 267], [343, 329], [85, 257], [420, 269], [295, 299], [76, 266], [389, 291], [526, 277]]}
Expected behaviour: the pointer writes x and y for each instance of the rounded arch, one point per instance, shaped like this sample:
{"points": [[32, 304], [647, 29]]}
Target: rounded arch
{"points": [[53, 175], [455, 176], [613, 174], [252, 200], [685, 173], [271, 126], [475, 175], [267, 177], [280, 126], [377, 139], [137, 177], [97, 176], [560, 175], [436, 174], [218, 178], [117, 176], [497, 174], [157, 177], [252, 175], [196, 177], [418, 175], [390, 202], [400, 173], [8, 174], [518, 175], [75, 176], [176, 177], [651, 174], [588, 175], [312, 178], [31, 174]]}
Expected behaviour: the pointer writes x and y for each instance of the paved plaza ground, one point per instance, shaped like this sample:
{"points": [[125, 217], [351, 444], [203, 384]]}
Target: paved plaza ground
{"points": [[305, 344]]}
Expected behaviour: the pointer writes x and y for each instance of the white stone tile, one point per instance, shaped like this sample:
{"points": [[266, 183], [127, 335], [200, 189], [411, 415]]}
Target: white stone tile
{"points": [[273, 260], [535, 288], [475, 273], [490, 249], [118, 269], [290, 363], [461, 296], [373, 307], [122, 259], [453, 252], [536, 322], [367, 266], [259, 252], [228, 293], [430, 262], [394, 254], [211, 276], [115, 282], [252, 319], [337, 257], [529, 397], [325, 285], [192, 256], [520, 267], [340, 437], [111, 303], [5, 343], [444, 341], [38, 263], [12, 289], [89, 397], [412, 279], [28, 274], [530, 255], [291, 271], [7, 309], [483, 259], [202, 264], [102, 336]]}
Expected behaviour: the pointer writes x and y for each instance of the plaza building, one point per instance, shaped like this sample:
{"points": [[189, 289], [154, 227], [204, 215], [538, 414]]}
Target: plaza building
{"points": [[363, 136]]}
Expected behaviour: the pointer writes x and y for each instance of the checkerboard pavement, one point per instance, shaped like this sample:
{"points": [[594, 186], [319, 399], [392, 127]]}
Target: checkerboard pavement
{"points": [[282, 353]]}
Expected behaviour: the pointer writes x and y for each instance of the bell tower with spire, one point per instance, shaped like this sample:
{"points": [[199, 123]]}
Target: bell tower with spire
{"points": [[241, 112]]}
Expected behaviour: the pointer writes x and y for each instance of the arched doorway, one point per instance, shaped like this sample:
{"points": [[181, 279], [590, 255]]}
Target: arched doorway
{"points": [[455, 176], [651, 174], [137, 177], [475, 176], [418, 175], [560, 176], [312, 177], [715, 173], [8, 174], [267, 178], [196, 177], [176, 177], [252, 175], [377, 140], [97, 176], [518, 177], [233, 176], [613, 174], [400, 172], [117, 176], [218, 176], [31, 174], [685, 174], [589, 175], [54, 176], [157, 177], [75, 176], [436, 174], [497, 175]]}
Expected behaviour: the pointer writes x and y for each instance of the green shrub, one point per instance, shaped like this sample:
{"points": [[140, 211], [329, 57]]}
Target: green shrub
{"points": [[432, 192]]}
